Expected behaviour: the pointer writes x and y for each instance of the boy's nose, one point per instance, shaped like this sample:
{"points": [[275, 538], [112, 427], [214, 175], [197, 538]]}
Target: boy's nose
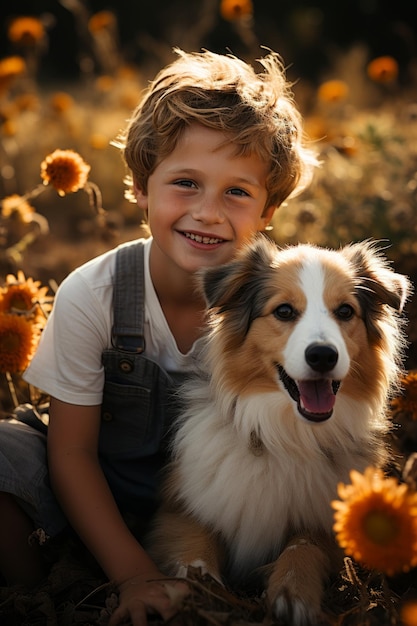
{"points": [[208, 212]]}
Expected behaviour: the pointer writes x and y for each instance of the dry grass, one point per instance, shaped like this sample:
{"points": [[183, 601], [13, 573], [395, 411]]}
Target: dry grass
{"points": [[76, 594]]}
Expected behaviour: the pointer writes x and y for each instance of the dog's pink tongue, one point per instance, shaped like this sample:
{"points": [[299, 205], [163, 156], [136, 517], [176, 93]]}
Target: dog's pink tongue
{"points": [[317, 395]]}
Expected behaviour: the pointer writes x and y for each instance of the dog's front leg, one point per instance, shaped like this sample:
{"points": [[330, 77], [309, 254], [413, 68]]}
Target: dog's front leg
{"points": [[178, 541], [295, 586]]}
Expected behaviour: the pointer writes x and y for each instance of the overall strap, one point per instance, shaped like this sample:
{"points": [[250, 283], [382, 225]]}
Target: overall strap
{"points": [[129, 299]]}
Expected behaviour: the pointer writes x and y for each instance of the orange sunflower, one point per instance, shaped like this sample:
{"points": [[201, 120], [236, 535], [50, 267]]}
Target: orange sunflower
{"points": [[383, 69], [333, 91], [409, 613], [25, 297], [376, 522], [65, 171], [18, 340], [26, 31], [231, 10], [10, 68], [101, 21], [406, 402], [61, 102]]}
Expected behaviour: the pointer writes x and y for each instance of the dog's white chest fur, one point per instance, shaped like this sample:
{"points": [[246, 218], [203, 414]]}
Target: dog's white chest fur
{"points": [[253, 493]]}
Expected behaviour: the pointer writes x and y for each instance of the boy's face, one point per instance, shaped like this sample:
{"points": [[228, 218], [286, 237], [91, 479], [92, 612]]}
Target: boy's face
{"points": [[203, 201]]}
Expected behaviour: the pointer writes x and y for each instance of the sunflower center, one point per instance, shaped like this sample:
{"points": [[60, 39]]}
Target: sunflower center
{"points": [[379, 527], [9, 342], [21, 302]]}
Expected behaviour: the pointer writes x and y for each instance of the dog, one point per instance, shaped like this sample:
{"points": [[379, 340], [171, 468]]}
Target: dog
{"points": [[304, 348]]}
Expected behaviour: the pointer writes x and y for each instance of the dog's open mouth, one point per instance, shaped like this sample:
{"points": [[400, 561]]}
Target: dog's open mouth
{"points": [[315, 398]]}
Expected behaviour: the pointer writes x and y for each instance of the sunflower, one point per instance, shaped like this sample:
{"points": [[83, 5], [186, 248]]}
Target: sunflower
{"points": [[333, 91], [383, 69], [231, 10], [104, 83], [61, 102], [18, 340], [409, 613], [26, 31], [406, 402], [65, 171], [376, 522], [25, 297], [10, 68], [101, 21]]}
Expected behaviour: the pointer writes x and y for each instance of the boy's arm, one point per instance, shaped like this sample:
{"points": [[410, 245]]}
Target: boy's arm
{"points": [[86, 498]]}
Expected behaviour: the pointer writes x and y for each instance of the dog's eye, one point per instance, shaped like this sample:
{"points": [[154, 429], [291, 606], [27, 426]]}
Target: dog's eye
{"points": [[345, 312], [285, 312]]}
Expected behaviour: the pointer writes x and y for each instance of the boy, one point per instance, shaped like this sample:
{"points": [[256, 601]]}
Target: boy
{"points": [[213, 149]]}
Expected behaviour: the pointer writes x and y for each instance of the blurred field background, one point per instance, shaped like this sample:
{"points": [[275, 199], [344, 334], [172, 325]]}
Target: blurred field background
{"points": [[354, 68], [87, 62], [71, 72]]}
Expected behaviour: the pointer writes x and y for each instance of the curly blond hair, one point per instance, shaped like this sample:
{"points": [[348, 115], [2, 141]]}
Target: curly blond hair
{"points": [[255, 110]]}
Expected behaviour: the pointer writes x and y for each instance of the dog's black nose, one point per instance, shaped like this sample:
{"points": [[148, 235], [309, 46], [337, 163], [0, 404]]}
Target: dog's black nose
{"points": [[321, 357]]}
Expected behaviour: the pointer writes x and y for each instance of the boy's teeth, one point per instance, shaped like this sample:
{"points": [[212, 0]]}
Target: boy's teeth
{"points": [[201, 239]]}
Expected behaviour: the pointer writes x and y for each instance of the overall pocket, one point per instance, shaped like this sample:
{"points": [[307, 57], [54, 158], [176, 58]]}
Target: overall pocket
{"points": [[126, 420], [134, 408]]}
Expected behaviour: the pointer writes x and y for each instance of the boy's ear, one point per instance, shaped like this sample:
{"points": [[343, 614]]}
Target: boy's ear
{"points": [[141, 197], [267, 217]]}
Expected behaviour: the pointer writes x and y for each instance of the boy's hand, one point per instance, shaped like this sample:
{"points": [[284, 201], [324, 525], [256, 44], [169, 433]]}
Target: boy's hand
{"points": [[148, 594]]}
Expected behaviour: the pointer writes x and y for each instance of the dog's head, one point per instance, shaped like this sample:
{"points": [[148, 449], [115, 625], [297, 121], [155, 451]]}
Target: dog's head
{"points": [[306, 320]]}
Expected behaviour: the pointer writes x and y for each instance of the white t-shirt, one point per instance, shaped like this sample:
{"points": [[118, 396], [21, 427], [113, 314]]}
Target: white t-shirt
{"points": [[67, 363]]}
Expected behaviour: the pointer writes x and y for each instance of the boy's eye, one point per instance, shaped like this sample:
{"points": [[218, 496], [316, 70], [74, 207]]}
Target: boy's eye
{"points": [[184, 183], [236, 191]]}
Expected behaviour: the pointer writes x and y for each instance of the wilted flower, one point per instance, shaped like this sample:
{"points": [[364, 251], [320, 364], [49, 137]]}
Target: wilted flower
{"points": [[61, 101], [18, 341], [383, 69], [235, 9], [10, 68], [65, 171], [24, 296], [101, 21], [104, 83], [407, 401], [333, 91], [26, 31], [16, 207], [376, 522]]}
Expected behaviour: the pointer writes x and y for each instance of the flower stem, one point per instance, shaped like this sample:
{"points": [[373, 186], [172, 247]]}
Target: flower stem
{"points": [[12, 389]]}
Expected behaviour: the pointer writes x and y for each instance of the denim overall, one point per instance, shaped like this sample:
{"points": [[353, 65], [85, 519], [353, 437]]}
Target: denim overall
{"points": [[138, 405], [138, 408]]}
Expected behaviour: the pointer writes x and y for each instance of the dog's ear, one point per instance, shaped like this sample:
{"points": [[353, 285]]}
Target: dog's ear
{"points": [[376, 276], [216, 283], [378, 285], [237, 282]]}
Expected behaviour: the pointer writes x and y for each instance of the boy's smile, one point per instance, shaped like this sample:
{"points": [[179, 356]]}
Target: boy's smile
{"points": [[203, 201]]}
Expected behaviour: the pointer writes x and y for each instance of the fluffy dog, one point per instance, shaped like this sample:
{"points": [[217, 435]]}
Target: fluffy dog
{"points": [[303, 350]]}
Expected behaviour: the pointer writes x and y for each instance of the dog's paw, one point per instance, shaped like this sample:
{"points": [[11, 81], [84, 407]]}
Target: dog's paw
{"points": [[294, 611], [295, 586], [183, 570]]}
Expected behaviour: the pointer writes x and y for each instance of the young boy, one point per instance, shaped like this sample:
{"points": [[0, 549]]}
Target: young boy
{"points": [[213, 149]]}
